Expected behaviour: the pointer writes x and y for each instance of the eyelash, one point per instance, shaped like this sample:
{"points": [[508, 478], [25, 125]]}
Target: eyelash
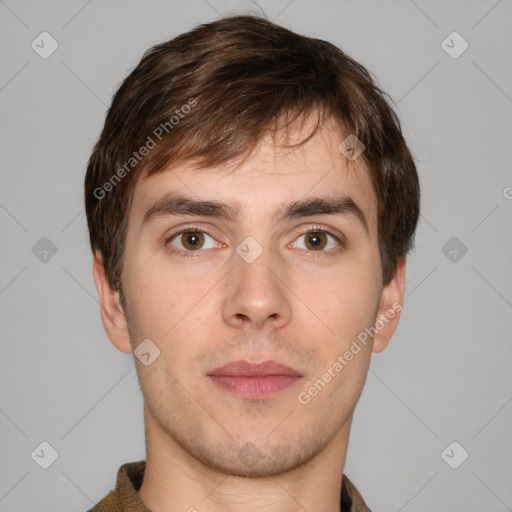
{"points": [[193, 228]]}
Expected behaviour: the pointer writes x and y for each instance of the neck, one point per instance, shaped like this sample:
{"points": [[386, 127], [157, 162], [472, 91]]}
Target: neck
{"points": [[175, 481]]}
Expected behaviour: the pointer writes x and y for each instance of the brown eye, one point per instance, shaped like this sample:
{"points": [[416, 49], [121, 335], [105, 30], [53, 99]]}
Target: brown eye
{"points": [[315, 240], [192, 240]]}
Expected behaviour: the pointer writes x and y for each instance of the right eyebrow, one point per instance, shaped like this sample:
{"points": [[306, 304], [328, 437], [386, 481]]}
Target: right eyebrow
{"points": [[175, 204]]}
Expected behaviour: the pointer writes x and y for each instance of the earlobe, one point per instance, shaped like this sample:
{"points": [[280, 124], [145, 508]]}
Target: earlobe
{"points": [[390, 308], [112, 314]]}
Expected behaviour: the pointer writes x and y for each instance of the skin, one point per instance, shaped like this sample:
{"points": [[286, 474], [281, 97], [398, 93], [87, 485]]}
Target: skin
{"points": [[207, 448]]}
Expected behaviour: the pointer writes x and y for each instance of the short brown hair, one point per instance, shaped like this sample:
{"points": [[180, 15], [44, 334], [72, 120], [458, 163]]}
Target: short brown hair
{"points": [[209, 95]]}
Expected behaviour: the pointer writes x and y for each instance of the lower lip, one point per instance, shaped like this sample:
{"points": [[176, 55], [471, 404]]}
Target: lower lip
{"points": [[255, 387]]}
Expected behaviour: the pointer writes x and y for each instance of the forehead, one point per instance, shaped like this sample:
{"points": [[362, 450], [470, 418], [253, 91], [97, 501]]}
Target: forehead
{"points": [[270, 177]]}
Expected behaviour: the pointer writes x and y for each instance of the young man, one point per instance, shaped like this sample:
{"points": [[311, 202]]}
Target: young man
{"points": [[250, 203]]}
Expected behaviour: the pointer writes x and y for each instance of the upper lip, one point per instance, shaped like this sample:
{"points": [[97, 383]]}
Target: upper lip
{"points": [[248, 369]]}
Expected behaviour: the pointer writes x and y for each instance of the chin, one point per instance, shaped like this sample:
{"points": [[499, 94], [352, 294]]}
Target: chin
{"points": [[261, 460]]}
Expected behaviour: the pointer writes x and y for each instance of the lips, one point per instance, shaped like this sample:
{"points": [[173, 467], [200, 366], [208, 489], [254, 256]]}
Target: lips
{"points": [[254, 380], [247, 369]]}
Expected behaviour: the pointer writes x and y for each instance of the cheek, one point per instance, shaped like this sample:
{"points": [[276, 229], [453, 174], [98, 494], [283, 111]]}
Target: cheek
{"points": [[345, 304], [179, 315], [155, 301]]}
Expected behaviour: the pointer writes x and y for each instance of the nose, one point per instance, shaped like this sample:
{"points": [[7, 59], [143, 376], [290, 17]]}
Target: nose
{"points": [[256, 295]]}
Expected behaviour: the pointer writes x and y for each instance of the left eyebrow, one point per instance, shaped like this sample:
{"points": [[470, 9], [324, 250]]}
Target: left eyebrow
{"points": [[335, 205], [177, 204]]}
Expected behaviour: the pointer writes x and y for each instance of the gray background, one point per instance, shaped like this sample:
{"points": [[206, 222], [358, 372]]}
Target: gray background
{"points": [[446, 374]]}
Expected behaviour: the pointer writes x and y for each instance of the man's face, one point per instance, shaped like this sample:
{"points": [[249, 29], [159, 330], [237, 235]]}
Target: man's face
{"points": [[207, 298]]}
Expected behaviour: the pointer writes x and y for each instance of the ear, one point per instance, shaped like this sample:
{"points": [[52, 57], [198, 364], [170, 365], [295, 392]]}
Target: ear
{"points": [[112, 314], [388, 315]]}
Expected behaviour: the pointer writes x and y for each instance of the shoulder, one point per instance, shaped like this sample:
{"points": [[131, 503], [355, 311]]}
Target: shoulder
{"points": [[110, 503], [124, 496], [356, 501]]}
